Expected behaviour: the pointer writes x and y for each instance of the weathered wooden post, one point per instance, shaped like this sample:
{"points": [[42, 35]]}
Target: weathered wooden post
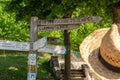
{"points": [[32, 56], [67, 69]]}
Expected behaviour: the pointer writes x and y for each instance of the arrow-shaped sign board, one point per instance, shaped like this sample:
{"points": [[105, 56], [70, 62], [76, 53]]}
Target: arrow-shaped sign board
{"points": [[13, 45], [69, 21], [25, 46], [57, 49], [57, 27], [40, 43], [53, 49]]}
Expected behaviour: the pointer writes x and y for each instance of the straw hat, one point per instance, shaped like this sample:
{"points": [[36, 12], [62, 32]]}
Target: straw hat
{"points": [[101, 51]]}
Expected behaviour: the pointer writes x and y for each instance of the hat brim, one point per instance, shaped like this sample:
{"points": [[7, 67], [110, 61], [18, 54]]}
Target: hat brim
{"points": [[89, 50]]}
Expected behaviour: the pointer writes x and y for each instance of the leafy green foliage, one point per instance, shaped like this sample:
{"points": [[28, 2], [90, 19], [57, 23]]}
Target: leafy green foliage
{"points": [[44, 69], [15, 17], [9, 28]]}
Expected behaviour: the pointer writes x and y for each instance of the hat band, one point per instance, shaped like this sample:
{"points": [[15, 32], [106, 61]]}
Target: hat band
{"points": [[107, 65]]}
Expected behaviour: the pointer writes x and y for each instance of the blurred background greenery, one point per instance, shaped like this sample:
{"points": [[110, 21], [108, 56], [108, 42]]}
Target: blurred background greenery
{"points": [[15, 17]]}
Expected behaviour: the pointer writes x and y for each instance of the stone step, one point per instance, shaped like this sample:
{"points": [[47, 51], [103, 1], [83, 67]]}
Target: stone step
{"points": [[75, 74], [77, 78]]}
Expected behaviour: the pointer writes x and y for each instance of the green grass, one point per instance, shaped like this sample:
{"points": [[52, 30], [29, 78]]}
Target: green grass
{"points": [[14, 67]]}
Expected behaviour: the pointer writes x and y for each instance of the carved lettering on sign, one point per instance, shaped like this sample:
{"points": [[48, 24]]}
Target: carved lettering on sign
{"points": [[56, 27], [13, 45], [69, 21]]}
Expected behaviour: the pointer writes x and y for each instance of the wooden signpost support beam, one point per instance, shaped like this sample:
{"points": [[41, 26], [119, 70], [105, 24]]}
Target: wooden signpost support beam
{"points": [[53, 24], [67, 55], [32, 56]]}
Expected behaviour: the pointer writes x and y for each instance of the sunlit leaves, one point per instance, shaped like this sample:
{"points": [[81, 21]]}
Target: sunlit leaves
{"points": [[10, 29], [23, 10]]}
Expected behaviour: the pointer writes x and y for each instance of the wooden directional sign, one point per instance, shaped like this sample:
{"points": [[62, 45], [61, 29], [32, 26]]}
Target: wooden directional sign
{"points": [[69, 21], [24, 46], [56, 27], [40, 43], [56, 49], [13, 45], [53, 49], [59, 24]]}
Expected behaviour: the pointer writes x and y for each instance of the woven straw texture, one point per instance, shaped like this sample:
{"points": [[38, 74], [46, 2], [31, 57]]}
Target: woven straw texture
{"points": [[89, 50], [110, 46]]}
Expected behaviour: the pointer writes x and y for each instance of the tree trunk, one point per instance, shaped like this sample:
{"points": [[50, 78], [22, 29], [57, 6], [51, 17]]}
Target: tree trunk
{"points": [[116, 13]]}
